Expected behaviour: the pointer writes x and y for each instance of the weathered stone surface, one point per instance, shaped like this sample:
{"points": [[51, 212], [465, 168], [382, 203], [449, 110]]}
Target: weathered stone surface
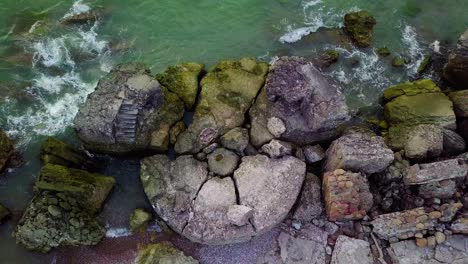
{"points": [[457, 66], [460, 226], [452, 251], [129, 111], [139, 218], [304, 246], [359, 150], [460, 102], [313, 154], [227, 93], [236, 139], [175, 131], [309, 205], [277, 148], [360, 27], [443, 189], [223, 162], [436, 171], [310, 105], [347, 195], [276, 126], [56, 219], [182, 79], [424, 141], [161, 254], [80, 18], [3, 212], [259, 133], [453, 143], [239, 215], [6, 149], [89, 189], [270, 187], [410, 89], [406, 224], [171, 186], [351, 251], [57, 152]]}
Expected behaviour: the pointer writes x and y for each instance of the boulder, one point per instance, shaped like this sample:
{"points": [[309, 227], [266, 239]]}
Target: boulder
{"points": [[54, 151], [359, 150], [309, 104], [259, 132], [277, 148], [313, 154], [346, 194], [351, 251], [139, 218], [276, 126], [89, 189], [410, 89], [6, 150], [162, 253], [360, 25], [222, 162], [455, 71], [3, 212], [57, 219], [460, 102], [435, 172], [182, 80], [303, 247], [454, 144], [129, 111], [309, 205], [80, 18], [424, 141], [222, 210], [227, 93], [236, 139]]}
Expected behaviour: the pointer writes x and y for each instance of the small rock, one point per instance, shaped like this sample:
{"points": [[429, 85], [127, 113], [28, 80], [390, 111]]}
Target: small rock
{"points": [[431, 241], [421, 242], [236, 139], [139, 218], [453, 143], [210, 148], [54, 211], [276, 126], [360, 26], [222, 162], [439, 237], [313, 154], [277, 149], [175, 131], [239, 215], [162, 253]]}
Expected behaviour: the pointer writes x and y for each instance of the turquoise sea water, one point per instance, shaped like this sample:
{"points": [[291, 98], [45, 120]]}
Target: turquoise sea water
{"points": [[47, 69]]}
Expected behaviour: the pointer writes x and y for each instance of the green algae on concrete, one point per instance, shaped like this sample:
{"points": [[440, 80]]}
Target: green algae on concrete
{"points": [[6, 149], [57, 152], [360, 26], [182, 80], [162, 253], [227, 93], [89, 189], [411, 88]]}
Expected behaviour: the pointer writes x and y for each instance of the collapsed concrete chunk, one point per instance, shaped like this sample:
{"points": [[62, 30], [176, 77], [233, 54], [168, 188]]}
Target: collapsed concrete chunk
{"points": [[227, 93], [309, 104], [57, 219], [89, 189], [347, 195], [351, 251], [436, 171], [162, 253], [359, 150], [270, 187], [443, 189]]}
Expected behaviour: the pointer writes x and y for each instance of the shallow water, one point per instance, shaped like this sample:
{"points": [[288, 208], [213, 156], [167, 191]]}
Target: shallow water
{"points": [[45, 78]]}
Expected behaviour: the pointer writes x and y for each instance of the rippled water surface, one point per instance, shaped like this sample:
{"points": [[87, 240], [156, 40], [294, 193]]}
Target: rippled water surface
{"points": [[47, 69]]}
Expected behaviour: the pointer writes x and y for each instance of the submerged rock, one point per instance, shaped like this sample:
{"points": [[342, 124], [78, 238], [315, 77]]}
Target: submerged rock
{"points": [[456, 69], [161, 254], [310, 105], [351, 251], [89, 189], [182, 80], [360, 27], [359, 150], [139, 218], [3, 212], [54, 151], [227, 93], [6, 150], [129, 111], [346, 194]]}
